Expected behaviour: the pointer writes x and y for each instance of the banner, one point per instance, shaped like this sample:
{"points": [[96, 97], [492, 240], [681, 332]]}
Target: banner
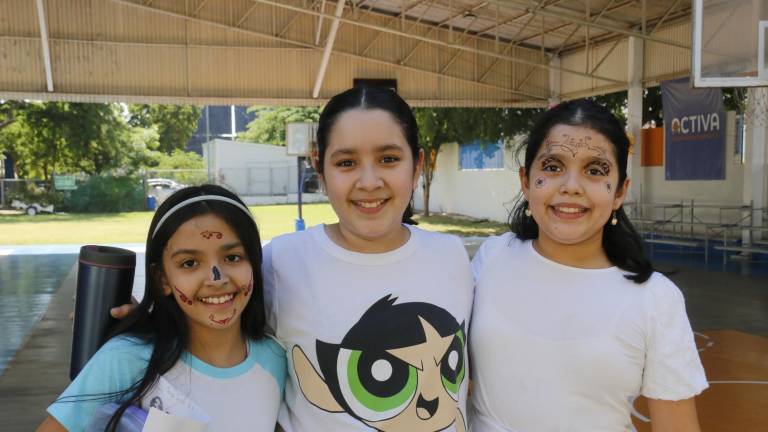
{"points": [[694, 132]]}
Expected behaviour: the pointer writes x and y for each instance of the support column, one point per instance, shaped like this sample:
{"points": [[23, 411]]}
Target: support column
{"points": [[756, 160], [635, 118], [554, 80]]}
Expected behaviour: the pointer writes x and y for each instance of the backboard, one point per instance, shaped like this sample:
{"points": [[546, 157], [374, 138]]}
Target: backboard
{"points": [[729, 43], [299, 137]]}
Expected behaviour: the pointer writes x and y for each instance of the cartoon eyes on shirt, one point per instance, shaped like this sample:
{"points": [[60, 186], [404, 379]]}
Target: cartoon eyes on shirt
{"points": [[376, 385], [452, 366]]}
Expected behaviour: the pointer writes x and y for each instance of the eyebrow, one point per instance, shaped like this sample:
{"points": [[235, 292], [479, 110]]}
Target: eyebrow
{"points": [[224, 247], [379, 149]]}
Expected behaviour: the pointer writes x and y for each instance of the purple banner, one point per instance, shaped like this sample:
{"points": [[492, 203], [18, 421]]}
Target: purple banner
{"points": [[694, 132]]}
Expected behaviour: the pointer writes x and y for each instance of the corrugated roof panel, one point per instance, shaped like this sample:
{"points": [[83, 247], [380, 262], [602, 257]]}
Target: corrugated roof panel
{"points": [[22, 66]]}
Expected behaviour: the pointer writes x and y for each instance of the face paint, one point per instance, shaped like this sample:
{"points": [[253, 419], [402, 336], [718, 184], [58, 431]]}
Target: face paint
{"points": [[216, 274], [573, 145], [183, 297], [609, 187], [246, 289], [223, 321], [540, 182], [210, 234]]}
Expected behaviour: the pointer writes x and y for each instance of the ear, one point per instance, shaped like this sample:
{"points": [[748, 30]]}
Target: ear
{"points": [[621, 194], [311, 383], [419, 167], [161, 279], [524, 186]]}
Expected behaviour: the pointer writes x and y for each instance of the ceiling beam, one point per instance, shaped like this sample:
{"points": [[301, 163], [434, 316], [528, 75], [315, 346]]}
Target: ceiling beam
{"points": [[515, 4], [337, 52], [438, 42], [45, 45], [328, 48]]}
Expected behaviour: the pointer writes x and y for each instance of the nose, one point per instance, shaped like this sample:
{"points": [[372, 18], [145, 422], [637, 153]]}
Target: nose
{"points": [[571, 184], [216, 276], [369, 178]]}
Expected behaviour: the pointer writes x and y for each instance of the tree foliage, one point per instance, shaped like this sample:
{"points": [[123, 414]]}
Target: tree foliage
{"points": [[269, 125], [175, 124], [74, 137]]}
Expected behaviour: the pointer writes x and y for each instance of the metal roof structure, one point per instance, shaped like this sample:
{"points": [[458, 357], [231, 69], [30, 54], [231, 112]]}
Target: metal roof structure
{"points": [[300, 52]]}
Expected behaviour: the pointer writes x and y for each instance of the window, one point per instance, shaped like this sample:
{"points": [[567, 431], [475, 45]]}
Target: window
{"points": [[481, 156]]}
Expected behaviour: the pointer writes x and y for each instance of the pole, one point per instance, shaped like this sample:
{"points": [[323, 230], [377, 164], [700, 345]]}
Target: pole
{"points": [[300, 177]]}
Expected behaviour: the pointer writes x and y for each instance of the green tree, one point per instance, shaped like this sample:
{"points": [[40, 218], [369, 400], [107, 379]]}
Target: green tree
{"points": [[175, 124], [269, 125]]}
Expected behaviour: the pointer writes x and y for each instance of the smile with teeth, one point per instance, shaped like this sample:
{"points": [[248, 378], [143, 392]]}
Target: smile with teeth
{"points": [[369, 204], [217, 299], [571, 209]]}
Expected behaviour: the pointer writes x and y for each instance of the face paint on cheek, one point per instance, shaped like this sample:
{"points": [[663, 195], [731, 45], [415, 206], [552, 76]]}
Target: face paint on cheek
{"points": [[210, 234], [182, 296], [216, 274], [246, 289], [540, 182], [608, 187], [223, 321]]}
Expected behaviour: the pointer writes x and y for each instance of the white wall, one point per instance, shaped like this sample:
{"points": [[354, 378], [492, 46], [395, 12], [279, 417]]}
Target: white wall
{"points": [[252, 169], [478, 193]]}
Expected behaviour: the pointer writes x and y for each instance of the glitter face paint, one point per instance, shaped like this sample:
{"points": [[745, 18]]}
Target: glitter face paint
{"points": [[211, 234], [223, 321], [182, 296], [216, 274]]}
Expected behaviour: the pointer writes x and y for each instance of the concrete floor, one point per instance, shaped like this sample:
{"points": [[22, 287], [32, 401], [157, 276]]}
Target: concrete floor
{"points": [[39, 371]]}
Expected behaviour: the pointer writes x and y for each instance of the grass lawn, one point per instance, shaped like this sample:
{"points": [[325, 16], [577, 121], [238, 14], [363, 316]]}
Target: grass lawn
{"points": [[132, 227]]}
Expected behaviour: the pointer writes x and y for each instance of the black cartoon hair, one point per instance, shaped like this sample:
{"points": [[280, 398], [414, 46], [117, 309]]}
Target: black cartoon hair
{"points": [[385, 326]]}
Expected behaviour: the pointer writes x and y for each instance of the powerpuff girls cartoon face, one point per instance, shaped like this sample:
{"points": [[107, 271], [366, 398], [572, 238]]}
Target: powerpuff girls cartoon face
{"points": [[400, 367]]}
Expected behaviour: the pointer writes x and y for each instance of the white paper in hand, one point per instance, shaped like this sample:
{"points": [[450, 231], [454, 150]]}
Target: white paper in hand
{"points": [[168, 399], [158, 421]]}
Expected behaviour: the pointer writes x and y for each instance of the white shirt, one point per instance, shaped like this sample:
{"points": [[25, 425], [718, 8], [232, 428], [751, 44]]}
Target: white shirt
{"points": [[395, 322], [557, 348]]}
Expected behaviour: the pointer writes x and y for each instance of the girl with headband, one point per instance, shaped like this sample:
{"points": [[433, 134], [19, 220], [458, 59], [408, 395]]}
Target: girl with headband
{"points": [[198, 333]]}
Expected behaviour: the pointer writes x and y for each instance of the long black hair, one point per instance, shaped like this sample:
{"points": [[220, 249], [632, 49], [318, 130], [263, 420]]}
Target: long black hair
{"points": [[364, 97], [158, 319], [621, 242]]}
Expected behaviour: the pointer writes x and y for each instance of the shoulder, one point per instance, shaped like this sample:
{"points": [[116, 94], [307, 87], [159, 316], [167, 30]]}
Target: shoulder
{"points": [[270, 355], [125, 348], [661, 292], [492, 247], [432, 239]]}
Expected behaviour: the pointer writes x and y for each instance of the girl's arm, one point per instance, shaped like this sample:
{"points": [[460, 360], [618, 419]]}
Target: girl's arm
{"points": [[673, 416], [51, 425]]}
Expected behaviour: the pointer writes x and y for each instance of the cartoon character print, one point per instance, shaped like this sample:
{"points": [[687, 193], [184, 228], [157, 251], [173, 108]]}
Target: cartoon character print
{"points": [[400, 367]]}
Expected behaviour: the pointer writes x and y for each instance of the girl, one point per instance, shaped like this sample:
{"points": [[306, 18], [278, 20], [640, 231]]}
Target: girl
{"points": [[570, 321], [372, 311], [197, 333]]}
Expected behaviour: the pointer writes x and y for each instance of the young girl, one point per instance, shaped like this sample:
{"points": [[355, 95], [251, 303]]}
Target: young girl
{"points": [[197, 335], [570, 323], [372, 311]]}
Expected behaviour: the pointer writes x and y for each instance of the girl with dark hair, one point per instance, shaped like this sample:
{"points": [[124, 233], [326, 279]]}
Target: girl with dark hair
{"points": [[198, 331], [371, 310], [570, 322]]}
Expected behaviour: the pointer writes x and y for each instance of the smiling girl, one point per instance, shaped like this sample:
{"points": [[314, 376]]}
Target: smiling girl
{"points": [[198, 332], [570, 323], [372, 311]]}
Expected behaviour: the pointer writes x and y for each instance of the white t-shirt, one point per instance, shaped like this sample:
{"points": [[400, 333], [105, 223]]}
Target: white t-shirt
{"points": [[244, 397], [373, 340], [557, 348]]}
